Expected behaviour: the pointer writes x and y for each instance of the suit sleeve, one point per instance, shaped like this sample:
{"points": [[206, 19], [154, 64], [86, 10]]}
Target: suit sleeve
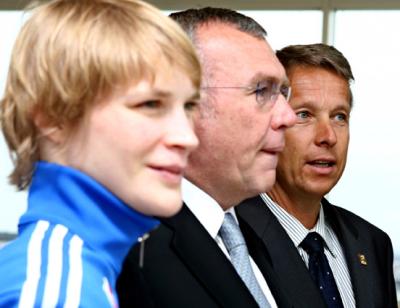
{"points": [[392, 298]]}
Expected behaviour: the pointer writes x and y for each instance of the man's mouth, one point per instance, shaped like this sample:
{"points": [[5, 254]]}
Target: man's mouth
{"points": [[321, 163], [274, 150]]}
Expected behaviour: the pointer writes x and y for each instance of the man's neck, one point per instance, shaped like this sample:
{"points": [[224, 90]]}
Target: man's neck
{"points": [[304, 207], [224, 197]]}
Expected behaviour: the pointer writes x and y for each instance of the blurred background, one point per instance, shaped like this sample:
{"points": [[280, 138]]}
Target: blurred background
{"points": [[364, 30]]}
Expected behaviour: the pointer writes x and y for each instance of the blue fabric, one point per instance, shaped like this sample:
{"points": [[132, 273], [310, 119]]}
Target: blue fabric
{"points": [[70, 209], [320, 270]]}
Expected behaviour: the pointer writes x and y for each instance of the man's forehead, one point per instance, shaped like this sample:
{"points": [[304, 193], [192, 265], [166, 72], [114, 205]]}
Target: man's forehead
{"points": [[314, 76], [233, 54], [225, 33]]}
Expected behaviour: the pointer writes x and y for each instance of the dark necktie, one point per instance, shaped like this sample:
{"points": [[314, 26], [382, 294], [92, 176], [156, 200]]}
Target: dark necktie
{"points": [[234, 242], [320, 270]]}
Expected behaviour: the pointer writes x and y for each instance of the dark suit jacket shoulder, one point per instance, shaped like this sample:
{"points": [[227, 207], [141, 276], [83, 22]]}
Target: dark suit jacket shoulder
{"points": [[183, 267], [369, 256], [368, 252]]}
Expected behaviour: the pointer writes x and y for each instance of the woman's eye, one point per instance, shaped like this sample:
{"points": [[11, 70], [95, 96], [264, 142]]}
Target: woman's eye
{"points": [[151, 104], [192, 105]]}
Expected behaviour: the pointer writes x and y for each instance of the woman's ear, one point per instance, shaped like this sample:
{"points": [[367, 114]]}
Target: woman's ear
{"points": [[53, 132]]}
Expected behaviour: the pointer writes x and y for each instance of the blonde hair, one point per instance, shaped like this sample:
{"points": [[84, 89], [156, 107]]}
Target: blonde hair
{"points": [[71, 51]]}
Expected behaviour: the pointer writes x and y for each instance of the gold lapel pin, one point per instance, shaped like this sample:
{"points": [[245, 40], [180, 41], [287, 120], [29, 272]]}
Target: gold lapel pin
{"points": [[362, 259]]}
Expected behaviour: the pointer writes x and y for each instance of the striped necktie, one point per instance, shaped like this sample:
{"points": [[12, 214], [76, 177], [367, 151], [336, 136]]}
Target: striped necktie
{"points": [[237, 249]]}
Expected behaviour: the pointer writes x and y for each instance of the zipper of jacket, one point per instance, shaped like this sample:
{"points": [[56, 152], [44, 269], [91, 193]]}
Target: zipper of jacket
{"points": [[141, 240]]}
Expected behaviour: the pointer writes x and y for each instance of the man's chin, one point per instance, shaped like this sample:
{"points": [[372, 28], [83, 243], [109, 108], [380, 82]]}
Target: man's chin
{"points": [[264, 186], [320, 191]]}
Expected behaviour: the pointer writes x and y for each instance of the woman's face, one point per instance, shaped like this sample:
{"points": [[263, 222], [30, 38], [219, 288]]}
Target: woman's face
{"points": [[136, 142]]}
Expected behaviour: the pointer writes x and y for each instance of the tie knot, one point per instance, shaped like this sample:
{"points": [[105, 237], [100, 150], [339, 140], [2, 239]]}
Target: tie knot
{"points": [[230, 233], [313, 243]]}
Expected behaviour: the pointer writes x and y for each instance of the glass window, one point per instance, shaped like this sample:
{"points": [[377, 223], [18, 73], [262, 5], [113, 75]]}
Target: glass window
{"points": [[280, 26], [280, 31]]}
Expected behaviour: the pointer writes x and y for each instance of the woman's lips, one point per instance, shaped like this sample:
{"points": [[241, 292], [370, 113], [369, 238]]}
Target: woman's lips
{"points": [[172, 174]]}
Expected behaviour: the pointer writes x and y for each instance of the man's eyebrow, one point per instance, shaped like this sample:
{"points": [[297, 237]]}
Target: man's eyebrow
{"points": [[343, 106], [286, 81], [258, 77]]}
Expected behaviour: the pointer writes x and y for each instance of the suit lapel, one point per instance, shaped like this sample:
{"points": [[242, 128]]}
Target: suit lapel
{"points": [[202, 256], [281, 265], [262, 258], [355, 255]]}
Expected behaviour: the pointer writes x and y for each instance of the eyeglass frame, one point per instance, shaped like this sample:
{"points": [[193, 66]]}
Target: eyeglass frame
{"points": [[277, 89]]}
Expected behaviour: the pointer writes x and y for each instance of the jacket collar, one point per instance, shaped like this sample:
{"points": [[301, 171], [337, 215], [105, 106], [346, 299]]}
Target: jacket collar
{"points": [[66, 196], [205, 260]]}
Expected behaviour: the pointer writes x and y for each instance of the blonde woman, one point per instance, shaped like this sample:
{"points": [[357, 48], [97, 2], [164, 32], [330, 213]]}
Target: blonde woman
{"points": [[97, 114]]}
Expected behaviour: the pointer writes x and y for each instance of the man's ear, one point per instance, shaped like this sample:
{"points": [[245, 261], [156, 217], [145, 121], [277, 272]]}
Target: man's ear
{"points": [[54, 132]]}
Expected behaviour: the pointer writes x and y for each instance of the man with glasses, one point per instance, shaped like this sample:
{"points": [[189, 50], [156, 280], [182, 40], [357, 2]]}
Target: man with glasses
{"points": [[198, 258], [323, 255]]}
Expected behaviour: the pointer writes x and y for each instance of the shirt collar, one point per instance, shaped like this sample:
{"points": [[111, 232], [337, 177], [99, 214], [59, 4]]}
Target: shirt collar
{"points": [[321, 228], [294, 228], [204, 207]]}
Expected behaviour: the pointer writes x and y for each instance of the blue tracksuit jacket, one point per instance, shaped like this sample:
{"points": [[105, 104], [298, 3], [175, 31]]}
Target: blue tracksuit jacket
{"points": [[71, 243]]}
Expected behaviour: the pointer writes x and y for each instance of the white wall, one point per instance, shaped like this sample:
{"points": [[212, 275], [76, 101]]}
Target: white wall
{"points": [[371, 181], [12, 204]]}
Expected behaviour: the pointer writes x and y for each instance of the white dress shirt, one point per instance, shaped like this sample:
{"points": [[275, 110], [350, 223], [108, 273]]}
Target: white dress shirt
{"points": [[211, 216], [333, 250]]}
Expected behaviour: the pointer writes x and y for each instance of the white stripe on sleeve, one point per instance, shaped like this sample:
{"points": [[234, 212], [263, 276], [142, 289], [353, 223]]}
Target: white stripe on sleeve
{"points": [[33, 264], [74, 282], [54, 267]]}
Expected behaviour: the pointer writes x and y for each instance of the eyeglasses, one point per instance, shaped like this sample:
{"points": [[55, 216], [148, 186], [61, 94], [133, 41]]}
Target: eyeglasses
{"points": [[265, 91]]}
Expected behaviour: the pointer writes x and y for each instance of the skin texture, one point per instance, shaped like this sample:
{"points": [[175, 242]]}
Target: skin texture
{"points": [[239, 138], [320, 99], [135, 142]]}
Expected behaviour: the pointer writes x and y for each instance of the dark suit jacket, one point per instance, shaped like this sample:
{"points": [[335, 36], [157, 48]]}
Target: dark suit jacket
{"points": [[373, 283], [183, 267]]}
